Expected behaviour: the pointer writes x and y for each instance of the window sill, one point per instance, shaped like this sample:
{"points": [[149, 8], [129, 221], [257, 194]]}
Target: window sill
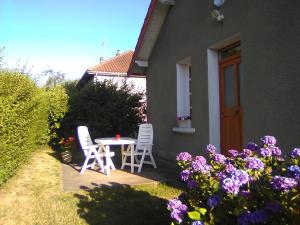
{"points": [[184, 130]]}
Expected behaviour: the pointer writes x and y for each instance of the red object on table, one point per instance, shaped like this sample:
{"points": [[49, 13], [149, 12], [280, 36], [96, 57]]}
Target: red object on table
{"points": [[118, 136]]}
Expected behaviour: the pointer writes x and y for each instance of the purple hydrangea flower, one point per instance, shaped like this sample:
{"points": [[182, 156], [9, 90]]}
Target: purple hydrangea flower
{"points": [[254, 163], [274, 207], [244, 218], [178, 209], [230, 186], [221, 176], [283, 183], [295, 170], [199, 165], [219, 158], [252, 146], [295, 153], [198, 222], [247, 152], [266, 152], [233, 183], [204, 169], [240, 176], [276, 151], [184, 175], [213, 201], [259, 216], [184, 156], [233, 153], [211, 149], [245, 193], [200, 159], [191, 184], [269, 140], [229, 168]]}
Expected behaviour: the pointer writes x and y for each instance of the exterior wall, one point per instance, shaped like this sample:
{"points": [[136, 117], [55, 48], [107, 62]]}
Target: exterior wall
{"points": [[269, 32]]}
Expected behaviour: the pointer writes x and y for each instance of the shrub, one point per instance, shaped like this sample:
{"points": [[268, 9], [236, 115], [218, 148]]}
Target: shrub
{"points": [[58, 106], [23, 121], [255, 186], [104, 107]]}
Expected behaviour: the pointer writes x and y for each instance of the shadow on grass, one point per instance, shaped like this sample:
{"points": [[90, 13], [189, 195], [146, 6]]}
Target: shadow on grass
{"points": [[121, 205]]}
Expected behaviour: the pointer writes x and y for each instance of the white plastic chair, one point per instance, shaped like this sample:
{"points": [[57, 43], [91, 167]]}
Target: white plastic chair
{"points": [[90, 150], [142, 148]]}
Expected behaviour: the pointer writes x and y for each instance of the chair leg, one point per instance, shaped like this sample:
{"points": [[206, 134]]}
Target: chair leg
{"points": [[85, 164], [110, 163], [142, 161], [124, 158], [152, 160], [132, 158], [100, 162], [136, 159], [93, 164]]}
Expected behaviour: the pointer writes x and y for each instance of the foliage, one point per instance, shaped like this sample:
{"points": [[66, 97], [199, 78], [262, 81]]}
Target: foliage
{"points": [[2, 56], [104, 107], [23, 121], [58, 106], [54, 77], [255, 186]]}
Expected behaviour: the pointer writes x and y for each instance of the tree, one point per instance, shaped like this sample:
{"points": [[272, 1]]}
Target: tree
{"points": [[2, 56], [54, 77], [24, 67], [104, 107]]}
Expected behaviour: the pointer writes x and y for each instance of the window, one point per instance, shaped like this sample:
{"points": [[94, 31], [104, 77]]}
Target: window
{"points": [[184, 94]]}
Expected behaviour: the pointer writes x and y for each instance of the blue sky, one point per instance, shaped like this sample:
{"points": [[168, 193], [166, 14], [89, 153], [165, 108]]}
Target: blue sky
{"points": [[67, 35]]}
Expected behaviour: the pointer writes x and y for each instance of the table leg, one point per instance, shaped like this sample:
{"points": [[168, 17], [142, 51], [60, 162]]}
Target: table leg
{"points": [[122, 151], [107, 162]]}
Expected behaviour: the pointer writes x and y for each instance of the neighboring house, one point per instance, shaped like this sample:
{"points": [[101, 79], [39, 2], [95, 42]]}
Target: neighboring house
{"points": [[114, 69], [232, 71]]}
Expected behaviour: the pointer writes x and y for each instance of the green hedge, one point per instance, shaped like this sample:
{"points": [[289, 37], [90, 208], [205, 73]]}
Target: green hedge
{"points": [[58, 106], [105, 108], [29, 117]]}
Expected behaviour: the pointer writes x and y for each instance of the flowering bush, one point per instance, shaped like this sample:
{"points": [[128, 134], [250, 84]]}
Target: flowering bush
{"points": [[255, 186], [66, 144]]}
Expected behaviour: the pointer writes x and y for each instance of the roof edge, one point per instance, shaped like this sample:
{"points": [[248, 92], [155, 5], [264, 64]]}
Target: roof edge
{"points": [[148, 17]]}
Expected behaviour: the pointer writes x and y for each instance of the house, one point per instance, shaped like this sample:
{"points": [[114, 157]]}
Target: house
{"points": [[114, 69], [220, 72]]}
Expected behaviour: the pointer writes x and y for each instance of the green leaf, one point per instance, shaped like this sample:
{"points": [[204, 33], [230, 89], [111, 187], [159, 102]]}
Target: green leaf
{"points": [[202, 211], [194, 215]]}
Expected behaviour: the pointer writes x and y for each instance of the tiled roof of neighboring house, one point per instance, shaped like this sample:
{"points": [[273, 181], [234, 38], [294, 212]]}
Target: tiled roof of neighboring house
{"points": [[116, 65]]}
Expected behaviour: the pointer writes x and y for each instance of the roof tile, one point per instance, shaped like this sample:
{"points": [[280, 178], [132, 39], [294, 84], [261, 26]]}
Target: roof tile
{"points": [[116, 64]]}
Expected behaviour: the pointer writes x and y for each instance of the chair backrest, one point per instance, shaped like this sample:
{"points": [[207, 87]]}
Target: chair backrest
{"points": [[145, 136], [84, 138]]}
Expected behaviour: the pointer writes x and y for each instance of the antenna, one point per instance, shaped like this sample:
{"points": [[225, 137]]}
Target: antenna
{"points": [[103, 48]]}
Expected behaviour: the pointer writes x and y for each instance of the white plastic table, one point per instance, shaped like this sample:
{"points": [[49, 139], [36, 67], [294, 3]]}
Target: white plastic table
{"points": [[105, 143]]}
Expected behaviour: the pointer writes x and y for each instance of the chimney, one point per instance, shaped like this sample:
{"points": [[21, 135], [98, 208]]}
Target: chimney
{"points": [[118, 52]]}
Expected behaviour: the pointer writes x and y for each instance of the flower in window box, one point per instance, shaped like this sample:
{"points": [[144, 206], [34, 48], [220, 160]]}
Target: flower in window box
{"points": [[181, 118]]}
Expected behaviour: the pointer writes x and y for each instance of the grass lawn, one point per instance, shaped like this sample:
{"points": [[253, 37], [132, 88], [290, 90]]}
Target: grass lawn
{"points": [[35, 196]]}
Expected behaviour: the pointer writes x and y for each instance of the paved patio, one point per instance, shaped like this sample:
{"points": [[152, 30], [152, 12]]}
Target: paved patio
{"points": [[166, 172]]}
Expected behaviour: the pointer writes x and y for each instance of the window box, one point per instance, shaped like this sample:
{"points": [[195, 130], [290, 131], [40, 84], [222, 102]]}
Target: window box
{"points": [[184, 123]]}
